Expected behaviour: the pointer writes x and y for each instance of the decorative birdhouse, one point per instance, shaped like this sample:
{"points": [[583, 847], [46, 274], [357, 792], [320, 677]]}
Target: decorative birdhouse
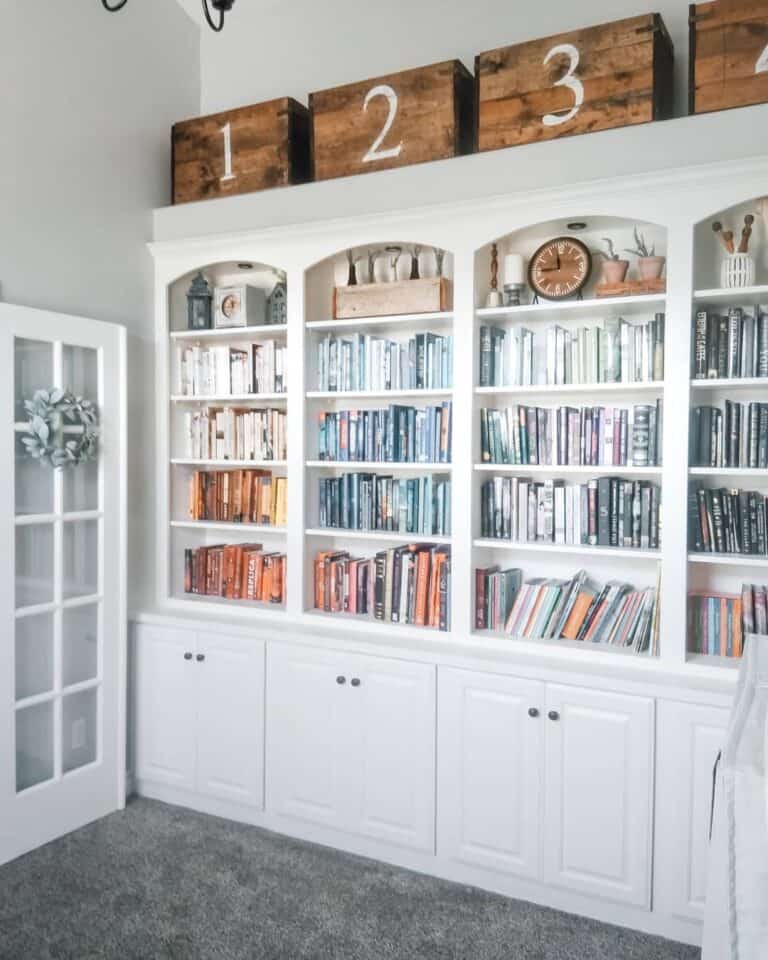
{"points": [[199, 304], [277, 304]]}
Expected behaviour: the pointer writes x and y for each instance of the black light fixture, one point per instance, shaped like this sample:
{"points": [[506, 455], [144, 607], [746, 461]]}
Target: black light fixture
{"points": [[222, 6]]}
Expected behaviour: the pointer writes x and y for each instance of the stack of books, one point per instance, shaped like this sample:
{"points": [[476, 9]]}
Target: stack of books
{"points": [[577, 609], [734, 435], [238, 496], [585, 436], [409, 584], [367, 501], [605, 512], [393, 434], [617, 352], [727, 521], [239, 571], [231, 434], [731, 345], [754, 609], [364, 362], [219, 371], [714, 624]]}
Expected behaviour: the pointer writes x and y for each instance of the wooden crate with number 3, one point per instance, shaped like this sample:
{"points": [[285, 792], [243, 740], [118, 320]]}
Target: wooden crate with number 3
{"points": [[239, 151], [612, 75], [392, 121], [729, 54]]}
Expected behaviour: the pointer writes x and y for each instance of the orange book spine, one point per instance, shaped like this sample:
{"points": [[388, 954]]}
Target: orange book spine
{"points": [[576, 616], [422, 585]]}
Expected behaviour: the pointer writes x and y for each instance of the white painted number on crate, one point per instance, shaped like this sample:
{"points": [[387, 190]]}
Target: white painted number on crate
{"points": [[568, 80], [383, 90], [226, 132], [762, 62]]}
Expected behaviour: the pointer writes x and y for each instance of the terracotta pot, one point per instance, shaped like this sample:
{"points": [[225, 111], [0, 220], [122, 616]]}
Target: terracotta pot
{"points": [[650, 268], [614, 271]]}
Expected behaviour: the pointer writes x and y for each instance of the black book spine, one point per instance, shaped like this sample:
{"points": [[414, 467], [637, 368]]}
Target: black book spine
{"points": [[378, 588], [700, 346], [762, 436], [604, 512], [722, 347], [614, 512], [716, 511]]}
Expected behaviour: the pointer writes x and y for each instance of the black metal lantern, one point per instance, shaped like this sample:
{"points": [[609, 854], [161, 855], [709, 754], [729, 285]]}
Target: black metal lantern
{"points": [[199, 304], [221, 6]]}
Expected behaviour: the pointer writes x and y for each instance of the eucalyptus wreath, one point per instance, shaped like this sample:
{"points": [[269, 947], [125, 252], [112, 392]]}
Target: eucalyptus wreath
{"points": [[49, 412]]}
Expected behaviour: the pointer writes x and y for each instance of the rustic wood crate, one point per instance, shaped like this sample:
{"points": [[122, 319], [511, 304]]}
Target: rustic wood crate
{"points": [[611, 75], [239, 151], [392, 121], [631, 288], [429, 295], [728, 64]]}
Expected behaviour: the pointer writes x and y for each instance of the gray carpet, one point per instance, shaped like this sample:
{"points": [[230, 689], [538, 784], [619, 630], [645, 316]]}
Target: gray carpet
{"points": [[161, 882]]}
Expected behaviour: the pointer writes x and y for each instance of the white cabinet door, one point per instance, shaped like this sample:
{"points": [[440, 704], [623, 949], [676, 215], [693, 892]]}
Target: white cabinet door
{"points": [[688, 737], [390, 751], [165, 671], [230, 718], [490, 763], [306, 709], [599, 763]]}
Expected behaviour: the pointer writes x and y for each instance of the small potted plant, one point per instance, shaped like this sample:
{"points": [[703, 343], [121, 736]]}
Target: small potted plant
{"points": [[614, 268], [649, 266]]}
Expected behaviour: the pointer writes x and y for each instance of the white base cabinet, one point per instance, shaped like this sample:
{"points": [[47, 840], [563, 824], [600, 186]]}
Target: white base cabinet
{"points": [[199, 704], [547, 782], [351, 743]]}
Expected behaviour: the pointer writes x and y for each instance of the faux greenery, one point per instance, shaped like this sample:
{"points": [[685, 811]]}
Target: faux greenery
{"points": [[49, 412], [640, 248]]}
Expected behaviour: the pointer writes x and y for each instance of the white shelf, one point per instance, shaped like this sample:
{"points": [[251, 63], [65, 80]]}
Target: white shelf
{"points": [[356, 466], [385, 536], [714, 660], [350, 620], [546, 469], [234, 605], [629, 553], [729, 559], [352, 323], [733, 383], [426, 393], [234, 464], [232, 398], [595, 307], [745, 472], [249, 528], [652, 386], [738, 296], [231, 333]]}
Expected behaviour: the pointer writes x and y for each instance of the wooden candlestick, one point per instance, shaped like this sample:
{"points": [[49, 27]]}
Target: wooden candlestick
{"points": [[494, 298]]}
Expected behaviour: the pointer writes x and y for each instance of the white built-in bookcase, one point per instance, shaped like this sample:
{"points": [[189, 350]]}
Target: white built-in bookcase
{"points": [[673, 211]]}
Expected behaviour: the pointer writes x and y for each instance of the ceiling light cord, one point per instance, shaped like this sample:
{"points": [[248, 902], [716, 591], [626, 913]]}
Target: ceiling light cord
{"points": [[117, 6]]}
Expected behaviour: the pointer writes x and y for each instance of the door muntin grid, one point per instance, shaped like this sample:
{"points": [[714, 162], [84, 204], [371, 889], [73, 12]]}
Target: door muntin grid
{"points": [[59, 602]]}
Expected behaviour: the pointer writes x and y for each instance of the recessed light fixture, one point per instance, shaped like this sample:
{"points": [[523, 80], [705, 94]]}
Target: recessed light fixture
{"points": [[245, 266], [577, 225]]}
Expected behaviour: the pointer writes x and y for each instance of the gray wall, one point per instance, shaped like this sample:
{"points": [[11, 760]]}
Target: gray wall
{"points": [[87, 100]]}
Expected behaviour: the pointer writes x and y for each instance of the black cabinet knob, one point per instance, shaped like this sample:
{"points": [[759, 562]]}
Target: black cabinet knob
{"points": [[553, 715], [187, 656], [533, 712], [355, 681], [200, 657], [341, 680]]}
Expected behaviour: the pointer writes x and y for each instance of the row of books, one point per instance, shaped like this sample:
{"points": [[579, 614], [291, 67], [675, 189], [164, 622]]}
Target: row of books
{"points": [[232, 371], [731, 345], [231, 434], [585, 436], [393, 434], [617, 352], [715, 624], [409, 584], [367, 501], [544, 608], [754, 609], [727, 521], [735, 435], [365, 362], [605, 512], [238, 496], [239, 571]]}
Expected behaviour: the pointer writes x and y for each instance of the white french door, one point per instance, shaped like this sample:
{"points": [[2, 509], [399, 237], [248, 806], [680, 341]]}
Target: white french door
{"points": [[62, 600]]}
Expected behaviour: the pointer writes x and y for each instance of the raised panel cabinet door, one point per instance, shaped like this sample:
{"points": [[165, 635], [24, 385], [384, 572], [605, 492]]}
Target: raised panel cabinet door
{"points": [[306, 709], [164, 704], [230, 718], [391, 751], [490, 770], [688, 739], [599, 781]]}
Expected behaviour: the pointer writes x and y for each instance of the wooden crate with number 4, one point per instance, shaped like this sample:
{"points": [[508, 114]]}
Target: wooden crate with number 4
{"points": [[393, 121], [729, 54], [239, 151], [612, 75]]}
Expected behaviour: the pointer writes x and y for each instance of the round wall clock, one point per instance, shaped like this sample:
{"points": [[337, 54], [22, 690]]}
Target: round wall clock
{"points": [[560, 268]]}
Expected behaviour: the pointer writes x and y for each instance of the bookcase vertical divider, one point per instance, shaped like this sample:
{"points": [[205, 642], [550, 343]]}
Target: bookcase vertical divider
{"points": [[296, 442]]}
